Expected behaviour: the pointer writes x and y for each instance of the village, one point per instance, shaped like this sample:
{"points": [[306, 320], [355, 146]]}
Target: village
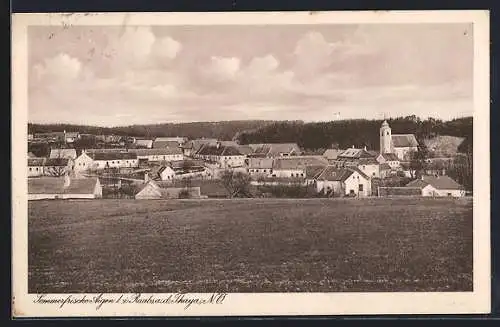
{"points": [[176, 167]]}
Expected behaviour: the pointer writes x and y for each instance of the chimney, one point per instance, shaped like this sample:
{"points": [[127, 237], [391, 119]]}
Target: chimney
{"points": [[146, 177], [67, 180]]}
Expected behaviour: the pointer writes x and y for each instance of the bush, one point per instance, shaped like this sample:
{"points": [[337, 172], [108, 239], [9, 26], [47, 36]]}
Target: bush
{"points": [[184, 194]]}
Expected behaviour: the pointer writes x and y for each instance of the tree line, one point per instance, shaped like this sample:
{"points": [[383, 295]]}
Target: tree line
{"points": [[356, 132]]}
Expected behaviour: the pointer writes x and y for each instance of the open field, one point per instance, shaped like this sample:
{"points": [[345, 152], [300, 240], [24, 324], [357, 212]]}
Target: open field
{"points": [[250, 245]]}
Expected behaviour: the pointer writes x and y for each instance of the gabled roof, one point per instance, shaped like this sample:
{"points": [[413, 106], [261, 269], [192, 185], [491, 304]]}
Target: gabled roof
{"points": [[367, 161], [260, 163], [332, 153], [404, 140], [36, 162], [88, 151], [145, 143], [112, 155], [214, 150], [331, 173], [157, 151], [438, 182], [313, 171], [245, 149], [63, 153], [390, 156], [55, 185]]}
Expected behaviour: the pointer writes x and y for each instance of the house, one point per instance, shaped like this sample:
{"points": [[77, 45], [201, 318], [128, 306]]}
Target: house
{"points": [[162, 142], [159, 154], [35, 167], [332, 154], [223, 156], [142, 143], [369, 166], [154, 191], [71, 137], [103, 160], [259, 166], [312, 172], [390, 159], [166, 173], [438, 186], [63, 153], [352, 157], [343, 181], [64, 188], [295, 166], [274, 150], [191, 147], [402, 145]]}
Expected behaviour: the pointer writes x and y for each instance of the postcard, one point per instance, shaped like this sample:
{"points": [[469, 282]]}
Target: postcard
{"points": [[250, 163]]}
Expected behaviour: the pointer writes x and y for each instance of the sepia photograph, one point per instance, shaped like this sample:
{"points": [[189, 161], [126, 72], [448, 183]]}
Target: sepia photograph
{"points": [[175, 160]]}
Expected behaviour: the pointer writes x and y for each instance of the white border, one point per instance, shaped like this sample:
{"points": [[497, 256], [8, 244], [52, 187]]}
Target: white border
{"points": [[263, 303]]}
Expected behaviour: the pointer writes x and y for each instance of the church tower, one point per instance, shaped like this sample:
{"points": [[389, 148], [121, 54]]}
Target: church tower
{"points": [[385, 138]]}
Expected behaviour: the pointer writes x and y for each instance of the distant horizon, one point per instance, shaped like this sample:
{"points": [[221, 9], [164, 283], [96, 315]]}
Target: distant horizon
{"points": [[244, 120]]}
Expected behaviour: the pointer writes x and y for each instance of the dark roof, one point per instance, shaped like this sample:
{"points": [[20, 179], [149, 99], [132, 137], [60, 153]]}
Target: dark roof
{"points": [[404, 140], [332, 173], [88, 151], [274, 149], [385, 166], [55, 185], [390, 156], [112, 155], [314, 170], [438, 182], [157, 151], [367, 161], [245, 149], [214, 150]]}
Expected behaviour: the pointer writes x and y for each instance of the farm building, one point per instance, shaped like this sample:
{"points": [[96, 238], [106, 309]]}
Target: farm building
{"points": [[71, 137], [64, 188], [49, 167], [343, 181], [159, 154], [154, 190], [438, 186], [223, 156], [141, 143], [35, 167], [390, 159], [103, 160], [63, 153], [191, 147], [166, 173]]}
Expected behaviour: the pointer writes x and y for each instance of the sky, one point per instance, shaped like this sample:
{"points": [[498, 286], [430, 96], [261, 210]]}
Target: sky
{"points": [[114, 76]]}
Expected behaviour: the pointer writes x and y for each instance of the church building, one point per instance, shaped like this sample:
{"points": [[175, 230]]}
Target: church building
{"points": [[399, 144]]}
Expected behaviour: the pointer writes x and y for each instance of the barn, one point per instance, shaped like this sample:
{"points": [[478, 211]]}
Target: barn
{"points": [[63, 188]]}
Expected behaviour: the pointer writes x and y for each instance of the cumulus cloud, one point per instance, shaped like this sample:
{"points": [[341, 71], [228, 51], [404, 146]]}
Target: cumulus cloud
{"points": [[223, 67], [62, 67], [166, 47]]}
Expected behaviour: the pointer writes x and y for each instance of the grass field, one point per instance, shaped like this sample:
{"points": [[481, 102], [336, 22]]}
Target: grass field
{"points": [[254, 245]]}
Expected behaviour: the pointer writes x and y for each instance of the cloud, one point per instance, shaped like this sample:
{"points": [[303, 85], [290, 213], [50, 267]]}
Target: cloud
{"points": [[166, 47], [223, 68], [62, 67]]}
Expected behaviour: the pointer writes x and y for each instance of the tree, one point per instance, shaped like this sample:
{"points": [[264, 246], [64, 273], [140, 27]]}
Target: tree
{"points": [[417, 160], [236, 183]]}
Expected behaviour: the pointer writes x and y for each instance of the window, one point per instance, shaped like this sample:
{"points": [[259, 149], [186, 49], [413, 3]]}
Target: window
{"points": [[360, 187], [30, 168]]}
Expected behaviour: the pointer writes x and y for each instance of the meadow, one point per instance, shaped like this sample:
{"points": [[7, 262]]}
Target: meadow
{"points": [[250, 245]]}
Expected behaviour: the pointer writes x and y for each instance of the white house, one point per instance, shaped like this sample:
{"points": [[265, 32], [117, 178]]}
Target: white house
{"points": [[71, 137], [166, 173], [103, 160], [64, 188], [260, 166], [370, 167], [438, 186], [402, 145], [160, 154], [223, 156], [35, 167], [343, 181]]}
